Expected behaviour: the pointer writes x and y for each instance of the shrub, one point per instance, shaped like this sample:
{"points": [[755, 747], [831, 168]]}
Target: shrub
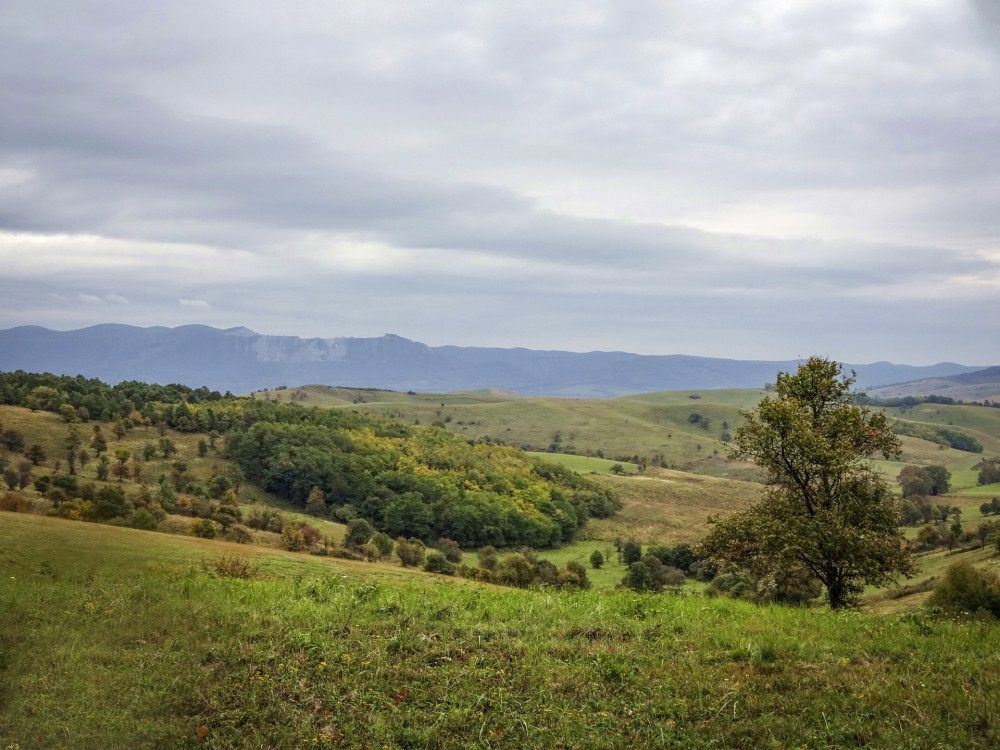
{"points": [[42, 484], [680, 556], [451, 549], [67, 483], [14, 503], [574, 575], [345, 513], [359, 531], [110, 503], [231, 566], [240, 534], [382, 543], [488, 558], [631, 552], [309, 535], [410, 552], [515, 570], [649, 574], [292, 539], [142, 519], [703, 570], [596, 559], [204, 528], [436, 562], [731, 585], [966, 589], [547, 573]]}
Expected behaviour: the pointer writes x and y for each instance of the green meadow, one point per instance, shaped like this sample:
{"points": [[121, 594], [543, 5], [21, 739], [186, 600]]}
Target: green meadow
{"points": [[120, 638]]}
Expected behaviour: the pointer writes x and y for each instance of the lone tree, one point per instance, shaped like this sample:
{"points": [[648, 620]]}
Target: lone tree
{"points": [[825, 512]]}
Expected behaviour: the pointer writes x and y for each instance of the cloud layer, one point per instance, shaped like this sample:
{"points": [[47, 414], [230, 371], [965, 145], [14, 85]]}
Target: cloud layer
{"points": [[751, 179]]}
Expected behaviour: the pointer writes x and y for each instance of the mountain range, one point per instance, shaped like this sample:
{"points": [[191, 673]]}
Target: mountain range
{"points": [[241, 361]]}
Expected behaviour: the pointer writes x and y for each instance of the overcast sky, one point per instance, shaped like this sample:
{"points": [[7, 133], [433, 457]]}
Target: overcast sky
{"points": [[734, 178]]}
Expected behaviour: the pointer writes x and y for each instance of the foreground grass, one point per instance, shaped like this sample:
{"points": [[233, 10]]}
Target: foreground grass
{"points": [[118, 638]]}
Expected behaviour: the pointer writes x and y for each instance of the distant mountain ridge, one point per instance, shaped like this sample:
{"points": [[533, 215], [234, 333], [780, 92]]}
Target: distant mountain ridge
{"points": [[240, 360]]}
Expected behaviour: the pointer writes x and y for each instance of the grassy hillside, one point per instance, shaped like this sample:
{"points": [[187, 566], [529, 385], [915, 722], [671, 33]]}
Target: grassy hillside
{"points": [[654, 426], [121, 638]]}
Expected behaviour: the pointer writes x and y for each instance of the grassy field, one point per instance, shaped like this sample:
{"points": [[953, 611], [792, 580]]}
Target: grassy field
{"points": [[586, 464], [120, 638]]}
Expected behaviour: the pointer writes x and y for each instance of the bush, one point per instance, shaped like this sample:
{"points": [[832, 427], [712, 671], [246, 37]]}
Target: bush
{"points": [[67, 483], [110, 503], [451, 550], [359, 531], [649, 574], [631, 552], [204, 528], [488, 558], [42, 484], [410, 552], [15, 503], [515, 570], [436, 562], [965, 589], [731, 585], [596, 559], [142, 519], [309, 535], [574, 575], [382, 543], [231, 566], [546, 573], [680, 556], [292, 539], [240, 534]]}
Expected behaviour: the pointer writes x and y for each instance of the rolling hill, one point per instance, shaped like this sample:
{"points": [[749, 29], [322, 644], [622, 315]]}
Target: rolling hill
{"points": [[979, 385]]}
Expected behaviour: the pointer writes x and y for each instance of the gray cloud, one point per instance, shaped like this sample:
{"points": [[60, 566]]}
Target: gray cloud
{"points": [[738, 171]]}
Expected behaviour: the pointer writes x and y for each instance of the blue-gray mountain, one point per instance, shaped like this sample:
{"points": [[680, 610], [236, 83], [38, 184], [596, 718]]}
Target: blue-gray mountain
{"points": [[240, 361]]}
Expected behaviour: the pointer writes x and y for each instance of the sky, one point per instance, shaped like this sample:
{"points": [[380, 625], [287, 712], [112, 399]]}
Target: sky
{"points": [[752, 179]]}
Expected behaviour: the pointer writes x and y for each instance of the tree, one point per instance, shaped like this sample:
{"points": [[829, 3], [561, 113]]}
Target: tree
{"points": [[989, 470], [940, 478], [12, 440], [316, 503], [35, 454], [825, 512], [359, 531], [103, 467], [167, 447], [915, 481], [596, 559], [631, 552]]}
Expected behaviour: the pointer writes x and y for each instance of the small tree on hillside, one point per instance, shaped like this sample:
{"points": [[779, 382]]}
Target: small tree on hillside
{"points": [[35, 454], [631, 552], [316, 503]]}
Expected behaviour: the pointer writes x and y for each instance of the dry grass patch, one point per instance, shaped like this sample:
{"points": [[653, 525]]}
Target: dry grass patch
{"points": [[665, 506]]}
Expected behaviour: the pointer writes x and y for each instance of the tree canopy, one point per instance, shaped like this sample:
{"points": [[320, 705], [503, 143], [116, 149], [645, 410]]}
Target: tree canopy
{"points": [[826, 512]]}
